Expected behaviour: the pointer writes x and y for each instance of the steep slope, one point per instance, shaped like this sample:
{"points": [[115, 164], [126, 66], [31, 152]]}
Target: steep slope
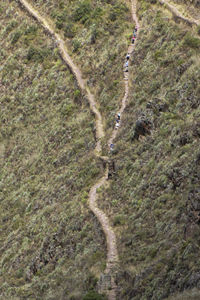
{"points": [[51, 245], [153, 199]]}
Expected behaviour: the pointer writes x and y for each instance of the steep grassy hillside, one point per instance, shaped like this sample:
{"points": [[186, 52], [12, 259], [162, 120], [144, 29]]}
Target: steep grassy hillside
{"points": [[153, 199], [51, 246]]}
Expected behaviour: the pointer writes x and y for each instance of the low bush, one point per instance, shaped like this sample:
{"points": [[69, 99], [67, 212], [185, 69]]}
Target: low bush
{"points": [[82, 11], [92, 295], [76, 45], [191, 41], [69, 30], [37, 54], [15, 37]]}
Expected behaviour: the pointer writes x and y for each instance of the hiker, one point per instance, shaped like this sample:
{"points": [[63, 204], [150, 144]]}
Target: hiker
{"points": [[111, 147], [118, 116], [136, 28], [109, 175], [134, 35], [117, 126], [126, 67], [133, 40], [111, 168], [127, 56]]}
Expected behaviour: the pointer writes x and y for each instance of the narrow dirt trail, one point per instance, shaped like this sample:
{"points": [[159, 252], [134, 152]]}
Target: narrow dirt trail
{"points": [[191, 21], [112, 253], [126, 76], [75, 70]]}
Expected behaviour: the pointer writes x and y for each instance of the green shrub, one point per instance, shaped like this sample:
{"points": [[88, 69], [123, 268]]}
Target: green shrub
{"points": [[158, 54], [118, 220], [191, 41], [82, 11], [117, 11], [67, 109], [37, 54], [16, 37], [69, 30], [77, 94], [97, 13], [92, 295], [11, 26], [76, 45], [60, 19], [31, 30]]}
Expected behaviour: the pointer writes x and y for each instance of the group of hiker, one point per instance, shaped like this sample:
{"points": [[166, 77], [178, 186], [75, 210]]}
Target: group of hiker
{"points": [[132, 41], [134, 35], [117, 124]]}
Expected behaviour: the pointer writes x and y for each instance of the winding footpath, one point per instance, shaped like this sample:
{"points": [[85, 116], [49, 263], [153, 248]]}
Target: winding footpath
{"points": [[112, 254]]}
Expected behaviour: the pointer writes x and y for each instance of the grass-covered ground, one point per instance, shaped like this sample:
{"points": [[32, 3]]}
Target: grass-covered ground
{"points": [[51, 246], [153, 200]]}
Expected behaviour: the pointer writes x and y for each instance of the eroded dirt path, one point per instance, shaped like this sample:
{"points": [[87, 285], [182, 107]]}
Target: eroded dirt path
{"points": [[75, 70], [112, 253], [175, 12]]}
